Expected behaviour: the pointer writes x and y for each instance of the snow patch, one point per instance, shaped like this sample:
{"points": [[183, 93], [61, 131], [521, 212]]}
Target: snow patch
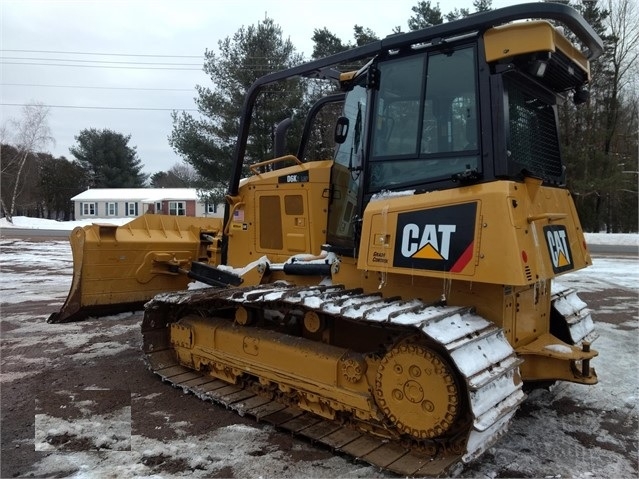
{"points": [[97, 432], [558, 348], [8, 377], [384, 195]]}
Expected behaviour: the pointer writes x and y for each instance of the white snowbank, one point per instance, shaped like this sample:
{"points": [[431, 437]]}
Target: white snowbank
{"points": [[631, 239], [43, 224], [39, 223]]}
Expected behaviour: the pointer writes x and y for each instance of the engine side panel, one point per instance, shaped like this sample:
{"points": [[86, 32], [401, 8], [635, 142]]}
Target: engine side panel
{"points": [[461, 234], [279, 213]]}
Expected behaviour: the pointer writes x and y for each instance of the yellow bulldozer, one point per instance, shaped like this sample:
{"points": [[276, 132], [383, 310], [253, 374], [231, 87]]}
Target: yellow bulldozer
{"points": [[392, 301]]}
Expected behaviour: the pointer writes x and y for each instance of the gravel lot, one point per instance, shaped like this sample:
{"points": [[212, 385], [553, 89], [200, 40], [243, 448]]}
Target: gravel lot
{"points": [[77, 401]]}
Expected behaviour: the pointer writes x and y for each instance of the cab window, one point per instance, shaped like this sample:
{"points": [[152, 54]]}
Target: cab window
{"points": [[345, 175], [425, 119]]}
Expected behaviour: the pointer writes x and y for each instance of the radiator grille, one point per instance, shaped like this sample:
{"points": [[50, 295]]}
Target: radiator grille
{"points": [[533, 142]]}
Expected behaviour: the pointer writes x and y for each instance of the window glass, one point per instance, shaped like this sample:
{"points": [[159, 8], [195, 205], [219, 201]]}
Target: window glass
{"points": [[426, 119], [177, 208], [88, 209], [345, 175], [350, 152], [450, 113], [398, 107]]}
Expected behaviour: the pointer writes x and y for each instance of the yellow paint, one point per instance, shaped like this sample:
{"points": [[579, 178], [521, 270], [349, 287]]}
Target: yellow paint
{"points": [[509, 41]]}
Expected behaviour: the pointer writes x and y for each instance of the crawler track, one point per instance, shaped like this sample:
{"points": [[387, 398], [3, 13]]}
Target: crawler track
{"points": [[485, 365], [572, 321]]}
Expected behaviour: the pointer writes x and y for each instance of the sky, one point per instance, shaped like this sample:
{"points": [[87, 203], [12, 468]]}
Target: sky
{"points": [[84, 59]]}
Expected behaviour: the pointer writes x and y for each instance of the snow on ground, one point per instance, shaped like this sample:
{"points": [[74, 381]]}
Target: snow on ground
{"points": [[44, 224], [39, 223], [106, 447], [93, 432], [52, 257], [605, 273], [630, 239], [251, 456]]}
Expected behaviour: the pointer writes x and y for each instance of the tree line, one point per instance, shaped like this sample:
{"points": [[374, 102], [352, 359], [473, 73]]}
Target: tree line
{"points": [[37, 184], [599, 137]]}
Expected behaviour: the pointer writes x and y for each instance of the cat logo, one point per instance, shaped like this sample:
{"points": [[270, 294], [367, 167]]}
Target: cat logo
{"points": [[438, 239], [431, 242], [558, 247]]}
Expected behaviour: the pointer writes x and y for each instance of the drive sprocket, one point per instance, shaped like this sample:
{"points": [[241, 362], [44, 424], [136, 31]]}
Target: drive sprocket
{"points": [[416, 389]]}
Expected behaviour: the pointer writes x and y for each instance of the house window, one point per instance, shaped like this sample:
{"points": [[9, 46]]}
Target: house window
{"points": [[177, 208], [158, 207], [211, 208], [112, 209], [131, 209], [89, 209]]}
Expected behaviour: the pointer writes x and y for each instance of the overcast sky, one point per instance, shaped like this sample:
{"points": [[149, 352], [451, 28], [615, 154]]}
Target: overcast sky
{"points": [[85, 59]]}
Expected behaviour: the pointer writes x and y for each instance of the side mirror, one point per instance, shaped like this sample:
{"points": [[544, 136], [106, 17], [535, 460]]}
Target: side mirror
{"points": [[341, 130]]}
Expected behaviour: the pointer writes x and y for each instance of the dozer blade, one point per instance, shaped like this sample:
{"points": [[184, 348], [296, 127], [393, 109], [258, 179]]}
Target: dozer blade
{"points": [[119, 268]]}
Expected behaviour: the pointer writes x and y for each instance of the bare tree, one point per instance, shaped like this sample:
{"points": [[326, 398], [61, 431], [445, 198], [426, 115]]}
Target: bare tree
{"points": [[180, 175], [624, 27], [30, 134], [624, 30], [186, 173]]}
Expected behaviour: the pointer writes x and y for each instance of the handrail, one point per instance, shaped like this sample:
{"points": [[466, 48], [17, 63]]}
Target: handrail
{"points": [[255, 166], [234, 206]]}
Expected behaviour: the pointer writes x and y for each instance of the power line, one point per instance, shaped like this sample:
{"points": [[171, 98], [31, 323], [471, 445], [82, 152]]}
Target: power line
{"points": [[96, 87], [256, 67], [101, 54], [97, 61], [97, 66], [246, 66], [103, 107], [202, 57]]}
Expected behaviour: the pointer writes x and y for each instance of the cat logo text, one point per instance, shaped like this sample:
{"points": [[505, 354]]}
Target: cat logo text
{"points": [[439, 239], [558, 247], [431, 241]]}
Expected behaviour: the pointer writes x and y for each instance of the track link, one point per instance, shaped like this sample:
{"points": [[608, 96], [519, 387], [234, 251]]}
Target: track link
{"points": [[571, 316], [485, 362]]}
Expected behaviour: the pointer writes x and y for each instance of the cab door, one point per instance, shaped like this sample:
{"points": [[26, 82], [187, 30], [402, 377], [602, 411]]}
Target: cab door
{"points": [[346, 175]]}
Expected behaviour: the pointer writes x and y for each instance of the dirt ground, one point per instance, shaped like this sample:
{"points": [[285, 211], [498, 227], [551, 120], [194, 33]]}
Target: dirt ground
{"points": [[77, 401]]}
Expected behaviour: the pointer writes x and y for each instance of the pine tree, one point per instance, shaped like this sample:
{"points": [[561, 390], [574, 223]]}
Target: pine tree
{"points": [[108, 160], [207, 142]]}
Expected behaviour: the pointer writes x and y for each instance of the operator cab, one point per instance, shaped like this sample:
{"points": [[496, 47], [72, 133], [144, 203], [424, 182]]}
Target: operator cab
{"points": [[447, 114]]}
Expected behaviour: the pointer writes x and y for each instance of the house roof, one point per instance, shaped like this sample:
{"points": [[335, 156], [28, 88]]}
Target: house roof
{"points": [[137, 194]]}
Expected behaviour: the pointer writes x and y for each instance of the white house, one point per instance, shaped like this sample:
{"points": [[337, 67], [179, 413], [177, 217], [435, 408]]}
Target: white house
{"points": [[131, 202]]}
